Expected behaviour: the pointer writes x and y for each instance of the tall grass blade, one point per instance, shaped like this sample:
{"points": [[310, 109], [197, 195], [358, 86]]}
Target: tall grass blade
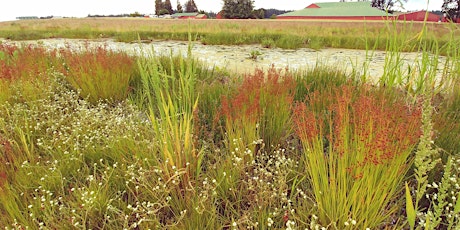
{"points": [[410, 209]]}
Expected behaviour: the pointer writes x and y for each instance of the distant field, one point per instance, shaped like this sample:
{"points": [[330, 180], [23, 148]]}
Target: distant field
{"points": [[270, 33]]}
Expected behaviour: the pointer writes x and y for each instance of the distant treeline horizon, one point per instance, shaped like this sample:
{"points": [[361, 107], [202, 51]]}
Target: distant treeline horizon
{"points": [[267, 13]]}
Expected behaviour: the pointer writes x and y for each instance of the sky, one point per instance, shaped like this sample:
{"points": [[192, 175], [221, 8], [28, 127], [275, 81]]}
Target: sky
{"points": [[81, 8]]}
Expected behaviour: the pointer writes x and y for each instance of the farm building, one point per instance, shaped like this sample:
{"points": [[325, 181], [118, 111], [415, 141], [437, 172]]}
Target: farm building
{"points": [[27, 17], [338, 11], [419, 16], [189, 16]]}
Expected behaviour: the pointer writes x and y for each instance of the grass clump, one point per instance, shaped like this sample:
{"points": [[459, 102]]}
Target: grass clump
{"points": [[259, 112], [99, 73], [352, 144], [24, 71]]}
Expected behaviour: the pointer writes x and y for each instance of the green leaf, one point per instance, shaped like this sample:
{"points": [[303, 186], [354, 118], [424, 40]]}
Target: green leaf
{"points": [[427, 222], [410, 208], [457, 204]]}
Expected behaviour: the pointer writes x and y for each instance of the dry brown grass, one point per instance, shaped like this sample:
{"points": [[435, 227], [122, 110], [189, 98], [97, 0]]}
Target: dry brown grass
{"points": [[297, 27]]}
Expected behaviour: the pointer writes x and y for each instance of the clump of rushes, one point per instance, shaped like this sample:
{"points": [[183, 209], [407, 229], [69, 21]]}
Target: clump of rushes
{"points": [[23, 72], [172, 101], [349, 147], [259, 112], [99, 73]]}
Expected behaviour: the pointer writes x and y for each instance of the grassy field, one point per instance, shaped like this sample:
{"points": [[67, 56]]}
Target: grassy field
{"points": [[100, 139], [270, 33]]}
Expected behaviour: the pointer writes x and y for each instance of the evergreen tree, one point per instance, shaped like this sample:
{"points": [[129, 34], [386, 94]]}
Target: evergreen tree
{"points": [[158, 6], [190, 6], [179, 7], [237, 9], [168, 6]]}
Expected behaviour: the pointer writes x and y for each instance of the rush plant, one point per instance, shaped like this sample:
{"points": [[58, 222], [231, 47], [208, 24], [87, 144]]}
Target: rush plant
{"points": [[172, 101], [259, 111], [98, 73], [24, 71], [356, 153]]}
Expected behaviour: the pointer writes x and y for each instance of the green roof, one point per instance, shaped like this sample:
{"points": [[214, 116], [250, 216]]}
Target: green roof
{"points": [[339, 9], [342, 4], [185, 14]]}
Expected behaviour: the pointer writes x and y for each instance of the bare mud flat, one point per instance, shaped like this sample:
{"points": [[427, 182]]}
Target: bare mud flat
{"points": [[238, 58]]}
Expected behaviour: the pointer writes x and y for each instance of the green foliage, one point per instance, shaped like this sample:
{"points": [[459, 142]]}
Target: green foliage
{"points": [[320, 78], [171, 110], [237, 9], [190, 6], [410, 209], [289, 42], [268, 43], [179, 7], [167, 6], [446, 123], [158, 6], [254, 54]]}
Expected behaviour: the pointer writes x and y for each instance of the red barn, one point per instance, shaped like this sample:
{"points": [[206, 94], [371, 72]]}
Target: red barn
{"points": [[419, 16]]}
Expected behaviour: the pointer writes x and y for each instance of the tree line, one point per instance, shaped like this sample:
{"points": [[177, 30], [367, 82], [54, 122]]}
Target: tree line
{"points": [[162, 8], [232, 9], [244, 9]]}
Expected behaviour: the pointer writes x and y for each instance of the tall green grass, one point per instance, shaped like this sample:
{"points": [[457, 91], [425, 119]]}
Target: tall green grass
{"points": [[172, 102]]}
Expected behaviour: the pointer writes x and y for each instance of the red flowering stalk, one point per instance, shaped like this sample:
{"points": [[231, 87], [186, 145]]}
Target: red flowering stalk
{"points": [[25, 69], [99, 73], [259, 110], [357, 159], [29, 62]]}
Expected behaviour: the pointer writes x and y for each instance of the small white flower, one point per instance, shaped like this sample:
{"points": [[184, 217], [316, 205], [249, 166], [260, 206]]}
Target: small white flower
{"points": [[270, 222]]}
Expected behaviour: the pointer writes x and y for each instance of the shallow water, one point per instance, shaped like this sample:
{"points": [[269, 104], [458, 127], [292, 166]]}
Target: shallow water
{"points": [[237, 58]]}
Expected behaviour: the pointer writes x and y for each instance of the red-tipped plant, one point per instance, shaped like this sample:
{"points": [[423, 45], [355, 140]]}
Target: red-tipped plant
{"points": [[24, 71], [259, 110], [99, 73], [357, 153]]}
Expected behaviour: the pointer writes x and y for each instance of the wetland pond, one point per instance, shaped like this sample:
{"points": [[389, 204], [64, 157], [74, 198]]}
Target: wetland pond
{"points": [[238, 58]]}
